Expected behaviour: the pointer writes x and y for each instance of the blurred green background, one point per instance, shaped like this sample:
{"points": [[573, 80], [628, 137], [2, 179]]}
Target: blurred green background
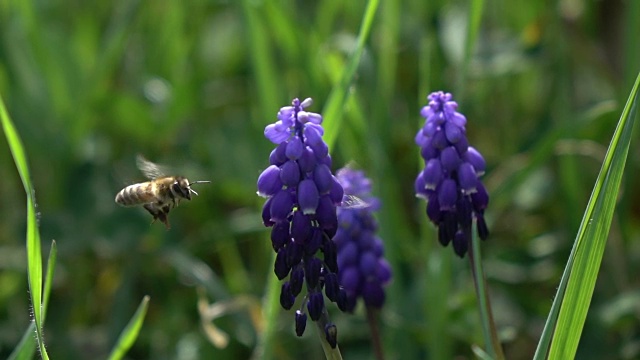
{"points": [[193, 84]]}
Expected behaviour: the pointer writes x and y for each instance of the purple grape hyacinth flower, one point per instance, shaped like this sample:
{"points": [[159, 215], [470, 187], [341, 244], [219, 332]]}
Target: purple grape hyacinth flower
{"points": [[302, 195], [363, 270], [450, 181]]}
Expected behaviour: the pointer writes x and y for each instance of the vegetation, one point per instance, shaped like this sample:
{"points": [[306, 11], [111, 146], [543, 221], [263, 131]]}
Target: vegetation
{"points": [[86, 86]]}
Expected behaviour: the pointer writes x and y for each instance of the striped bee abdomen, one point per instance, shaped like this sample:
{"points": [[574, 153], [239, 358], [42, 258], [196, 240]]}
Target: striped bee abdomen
{"points": [[137, 194]]}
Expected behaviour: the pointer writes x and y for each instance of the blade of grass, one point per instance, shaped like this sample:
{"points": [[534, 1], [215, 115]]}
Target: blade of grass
{"points": [[338, 96], [48, 280], [266, 340], [569, 309], [476, 8], [262, 60], [27, 346], [130, 332], [492, 343], [34, 253]]}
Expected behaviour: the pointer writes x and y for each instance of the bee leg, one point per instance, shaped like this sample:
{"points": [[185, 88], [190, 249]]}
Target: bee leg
{"points": [[158, 214], [151, 211], [163, 216]]}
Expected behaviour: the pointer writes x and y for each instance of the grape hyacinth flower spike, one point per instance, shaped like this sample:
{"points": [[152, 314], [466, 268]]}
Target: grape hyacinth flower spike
{"points": [[302, 195], [450, 180], [363, 269]]}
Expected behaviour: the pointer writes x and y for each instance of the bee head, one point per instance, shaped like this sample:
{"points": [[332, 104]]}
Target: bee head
{"points": [[182, 187]]}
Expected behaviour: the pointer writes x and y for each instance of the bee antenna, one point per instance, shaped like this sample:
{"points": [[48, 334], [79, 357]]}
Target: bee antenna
{"points": [[200, 182], [197, 182]]}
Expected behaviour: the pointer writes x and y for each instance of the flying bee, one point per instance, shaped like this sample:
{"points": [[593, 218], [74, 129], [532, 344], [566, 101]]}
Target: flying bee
{"points": [[159, 195], [354, 202]]}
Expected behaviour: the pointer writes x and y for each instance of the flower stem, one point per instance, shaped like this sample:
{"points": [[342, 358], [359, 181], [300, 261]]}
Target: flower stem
{"points": [[271, 305], [372, 319], [490, 333], [329, 352]]}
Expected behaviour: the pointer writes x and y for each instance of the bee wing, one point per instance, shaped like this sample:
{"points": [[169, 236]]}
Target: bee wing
{"points": [[354, 202], [148, 168]]}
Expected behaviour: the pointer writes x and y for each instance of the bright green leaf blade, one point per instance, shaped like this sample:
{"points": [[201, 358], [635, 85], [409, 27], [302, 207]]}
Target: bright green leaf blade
{"points": [[48, 281], [338, 97], [476, 9], [578, 281], [34, 255], [27, 345], [262, 59], [130, 332]]}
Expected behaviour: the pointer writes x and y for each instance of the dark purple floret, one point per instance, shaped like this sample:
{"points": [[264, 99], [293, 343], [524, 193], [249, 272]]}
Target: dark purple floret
{"points": [[301, 322], [302, 195], [450, 181], [296, 280], [315, 305], [331, 334], [301, 227], [331, 286], [294, 148], [289, 174], [312, 269], [343, 300], [323, 178], [326, 216], [294, 253], [269, 182], [315, 241], [280, 235], [330, 255], [286, 297], [308, 197], [278, 155], [363, 272], [281, 206], [266, 213], [280, 268], [307, 161]]}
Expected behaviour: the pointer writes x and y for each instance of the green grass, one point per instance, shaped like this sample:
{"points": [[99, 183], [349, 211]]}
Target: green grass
{"points": [[39, 295], [34, 254], [565, 322], [192, 85], [130, 332]]}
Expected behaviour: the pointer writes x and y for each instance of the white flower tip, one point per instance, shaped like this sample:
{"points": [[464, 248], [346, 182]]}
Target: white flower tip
{"points": [[306, 102]]}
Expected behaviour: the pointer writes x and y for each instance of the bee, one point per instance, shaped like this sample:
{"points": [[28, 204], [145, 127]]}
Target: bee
{"points": [[159, 195], [353, 202]]}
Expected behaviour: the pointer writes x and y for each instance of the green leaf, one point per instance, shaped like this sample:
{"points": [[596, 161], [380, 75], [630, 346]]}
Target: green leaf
{"points": [[34, 254], [130, 332], [476, 9], [48, 281], [27, 345], [569, 309], [338, 96]]}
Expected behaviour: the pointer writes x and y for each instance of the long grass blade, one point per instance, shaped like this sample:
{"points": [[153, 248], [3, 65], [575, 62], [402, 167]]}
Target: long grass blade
{"points": [[338, 96], [130, 332], [564, 325], [27, 346], [34, 254]]}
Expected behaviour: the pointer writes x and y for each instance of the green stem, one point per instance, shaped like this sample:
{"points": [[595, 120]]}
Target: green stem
{"points": [[490, 333], [329, 352], [265, 348], [375, 333]]}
